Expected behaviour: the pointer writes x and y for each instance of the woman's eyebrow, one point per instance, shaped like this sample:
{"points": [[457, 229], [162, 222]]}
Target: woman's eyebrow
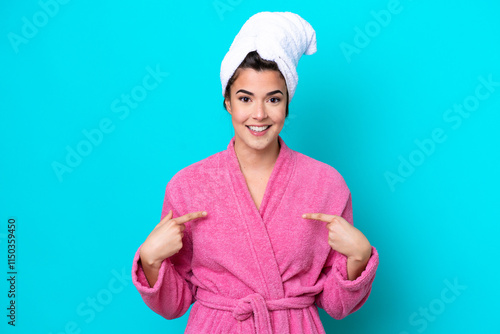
{"points": [[250, 93]]}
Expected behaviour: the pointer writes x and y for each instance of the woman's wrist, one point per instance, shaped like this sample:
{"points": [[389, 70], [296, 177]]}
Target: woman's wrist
{"points": [[363, 255], [149, 261]]}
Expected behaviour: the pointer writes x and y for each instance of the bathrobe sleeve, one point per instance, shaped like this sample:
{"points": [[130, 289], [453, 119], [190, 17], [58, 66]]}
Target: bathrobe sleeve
{"points": [[172, 294], [341, 296]]}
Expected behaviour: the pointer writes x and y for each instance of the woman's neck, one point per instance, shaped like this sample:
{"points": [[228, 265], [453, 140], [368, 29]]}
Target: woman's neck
{"points": [[257, 160]]}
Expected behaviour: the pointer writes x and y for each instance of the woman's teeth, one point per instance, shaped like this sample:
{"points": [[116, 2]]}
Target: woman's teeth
{"points": [[259, 128]]}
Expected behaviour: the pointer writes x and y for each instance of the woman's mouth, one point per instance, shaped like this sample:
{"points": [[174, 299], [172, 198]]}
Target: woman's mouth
{"points": [[258, 130]]}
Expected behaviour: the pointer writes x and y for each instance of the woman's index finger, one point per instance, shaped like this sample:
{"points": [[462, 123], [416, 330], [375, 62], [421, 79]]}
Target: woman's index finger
{"points": [[319, 216], [190, 216]]}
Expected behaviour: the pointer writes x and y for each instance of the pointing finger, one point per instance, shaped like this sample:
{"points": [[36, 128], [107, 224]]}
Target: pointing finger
{"points": [[190, 216], [319, 216]]}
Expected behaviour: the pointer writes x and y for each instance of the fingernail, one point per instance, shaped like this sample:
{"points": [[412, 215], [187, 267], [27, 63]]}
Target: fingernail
{"points": [[303, 216], [204, 213]]}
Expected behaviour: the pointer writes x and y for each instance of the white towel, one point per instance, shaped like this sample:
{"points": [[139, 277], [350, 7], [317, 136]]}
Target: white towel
{"points": [[280, 36]]}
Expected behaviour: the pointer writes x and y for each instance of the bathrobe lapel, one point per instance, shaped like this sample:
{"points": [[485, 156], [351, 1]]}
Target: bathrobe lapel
{"points": [[255, 221]]}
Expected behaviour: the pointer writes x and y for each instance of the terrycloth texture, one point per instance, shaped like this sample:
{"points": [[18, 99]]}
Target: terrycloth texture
{"points": [[280, 36], [256, 271]]}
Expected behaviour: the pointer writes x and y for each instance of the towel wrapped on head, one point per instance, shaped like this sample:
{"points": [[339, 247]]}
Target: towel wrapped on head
{"points": [[282, 37]]}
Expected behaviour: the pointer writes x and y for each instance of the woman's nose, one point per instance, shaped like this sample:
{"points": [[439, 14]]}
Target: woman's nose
{"points": [[260, 111]]}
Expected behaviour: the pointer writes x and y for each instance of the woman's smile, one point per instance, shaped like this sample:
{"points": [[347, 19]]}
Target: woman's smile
{"points": [[258, 130]]}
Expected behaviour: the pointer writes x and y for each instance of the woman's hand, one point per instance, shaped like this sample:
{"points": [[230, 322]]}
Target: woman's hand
{"points": [[166, 238], [346, 239]]}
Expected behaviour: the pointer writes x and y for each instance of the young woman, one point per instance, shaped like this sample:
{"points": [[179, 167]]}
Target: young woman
{"points": [[257, 236]]}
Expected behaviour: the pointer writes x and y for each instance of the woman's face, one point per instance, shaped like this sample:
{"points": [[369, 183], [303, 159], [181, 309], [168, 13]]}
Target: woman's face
{"points": [[258, 98]]}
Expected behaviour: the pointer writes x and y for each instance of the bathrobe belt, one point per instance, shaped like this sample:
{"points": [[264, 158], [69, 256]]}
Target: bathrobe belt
{"points": [[254, 303]]}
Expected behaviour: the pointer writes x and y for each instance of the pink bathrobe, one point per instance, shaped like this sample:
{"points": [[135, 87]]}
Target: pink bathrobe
{"points": [[256, 271]]}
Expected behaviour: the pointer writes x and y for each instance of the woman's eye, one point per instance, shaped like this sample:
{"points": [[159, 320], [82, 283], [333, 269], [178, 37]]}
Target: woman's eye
{"points": [[274, 99], [244, 98]]}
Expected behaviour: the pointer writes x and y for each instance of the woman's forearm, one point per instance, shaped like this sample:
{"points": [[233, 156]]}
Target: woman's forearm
{"points": [[355, 266], [151, 271]]}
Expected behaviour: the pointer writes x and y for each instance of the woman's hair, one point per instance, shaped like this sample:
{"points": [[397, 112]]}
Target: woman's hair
{"points": [[253, 61]]}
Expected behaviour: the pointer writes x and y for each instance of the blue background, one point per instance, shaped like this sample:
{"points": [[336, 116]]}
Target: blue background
{"points": [[64, 72]]}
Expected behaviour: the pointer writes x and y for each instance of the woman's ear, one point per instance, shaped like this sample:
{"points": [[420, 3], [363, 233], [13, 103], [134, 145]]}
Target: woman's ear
{"points": [[228, 105]]}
